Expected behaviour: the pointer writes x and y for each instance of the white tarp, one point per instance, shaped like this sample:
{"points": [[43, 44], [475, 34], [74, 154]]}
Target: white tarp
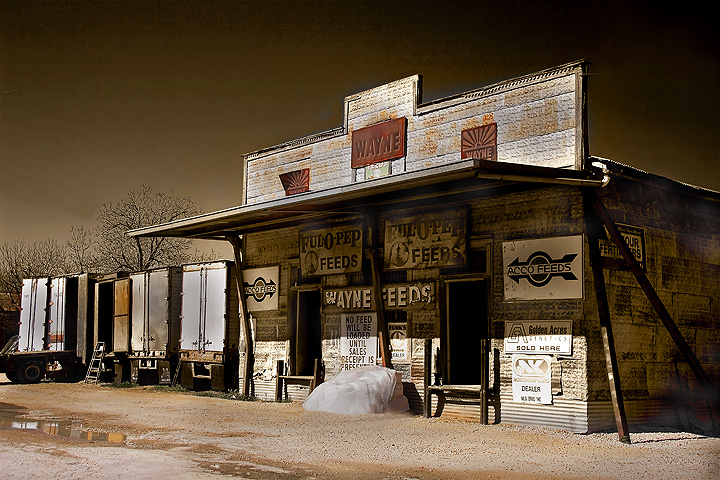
{"points": [[369, 389]]}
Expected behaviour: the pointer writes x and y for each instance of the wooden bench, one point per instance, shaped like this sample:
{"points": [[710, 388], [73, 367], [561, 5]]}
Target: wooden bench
{"points": [[458, 394], [312, 381]]}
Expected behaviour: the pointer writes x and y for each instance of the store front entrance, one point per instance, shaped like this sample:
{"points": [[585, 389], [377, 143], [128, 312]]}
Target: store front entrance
{"points": [[467, 332], [306, 340]]}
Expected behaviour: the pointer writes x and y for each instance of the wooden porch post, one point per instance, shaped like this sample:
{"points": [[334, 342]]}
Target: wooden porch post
{"points": [[237, 243], [371, 222], [593, 230]]}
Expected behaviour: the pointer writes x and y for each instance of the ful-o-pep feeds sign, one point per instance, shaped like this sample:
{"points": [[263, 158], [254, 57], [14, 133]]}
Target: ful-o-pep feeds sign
{"points": [[331, 251]]}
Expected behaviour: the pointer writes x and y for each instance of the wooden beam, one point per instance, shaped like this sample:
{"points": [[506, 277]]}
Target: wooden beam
{"points": [[379, 305], [237, 243], [655, 301], [593, 233]]}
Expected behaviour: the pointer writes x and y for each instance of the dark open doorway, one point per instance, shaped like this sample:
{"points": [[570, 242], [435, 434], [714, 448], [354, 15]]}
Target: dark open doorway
{"points": [[467, 331], [306, 343]]}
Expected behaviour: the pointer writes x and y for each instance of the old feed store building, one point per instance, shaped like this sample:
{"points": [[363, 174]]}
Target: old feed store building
{"points": [[473, 244]]}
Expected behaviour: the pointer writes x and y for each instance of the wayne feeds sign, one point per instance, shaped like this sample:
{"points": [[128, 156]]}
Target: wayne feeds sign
{"points": [[542, 269]]}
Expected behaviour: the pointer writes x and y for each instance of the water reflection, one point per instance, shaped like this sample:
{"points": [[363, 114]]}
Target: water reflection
{"points": [[11, 417]]}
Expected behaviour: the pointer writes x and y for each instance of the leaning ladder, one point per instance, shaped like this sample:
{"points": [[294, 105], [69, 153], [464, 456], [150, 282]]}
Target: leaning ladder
{"points": [[93, 373]]}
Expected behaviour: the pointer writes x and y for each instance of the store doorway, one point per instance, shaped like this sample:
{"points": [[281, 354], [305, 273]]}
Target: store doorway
{"points": [[306, 342], [467, 332]]}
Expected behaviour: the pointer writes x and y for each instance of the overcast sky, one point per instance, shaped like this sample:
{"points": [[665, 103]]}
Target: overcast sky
{"points": [[100, 98]]}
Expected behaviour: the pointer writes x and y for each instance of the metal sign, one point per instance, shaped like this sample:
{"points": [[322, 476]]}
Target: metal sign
{"points": [[424, 241], [261, 288], [378, 170], [635, 239], [358, 340], [335, 250], [399, 345], [539, 337], [377, 143], [416, 296], [297, 181], [531, 377], [549, 268], [479, 142]]}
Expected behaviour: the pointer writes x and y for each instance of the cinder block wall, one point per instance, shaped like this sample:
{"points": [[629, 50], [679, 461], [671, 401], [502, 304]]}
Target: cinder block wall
{"points": [[682, 239]]}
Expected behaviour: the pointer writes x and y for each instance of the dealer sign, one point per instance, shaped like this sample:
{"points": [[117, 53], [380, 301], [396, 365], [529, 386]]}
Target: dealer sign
{"points": [[543, 269]]}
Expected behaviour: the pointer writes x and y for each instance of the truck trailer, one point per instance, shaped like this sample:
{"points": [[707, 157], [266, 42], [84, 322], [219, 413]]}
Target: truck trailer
{"points": [[209, 327], [154, 324], [55, 332]]}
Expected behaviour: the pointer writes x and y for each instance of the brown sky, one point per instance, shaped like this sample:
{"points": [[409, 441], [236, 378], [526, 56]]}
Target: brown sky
{"points": [[99, 98]]}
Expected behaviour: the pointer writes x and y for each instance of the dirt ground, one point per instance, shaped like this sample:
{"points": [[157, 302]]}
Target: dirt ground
{"points": [[72, 431]]}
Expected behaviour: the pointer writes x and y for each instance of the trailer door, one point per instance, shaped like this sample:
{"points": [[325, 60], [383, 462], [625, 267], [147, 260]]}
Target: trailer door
{"points": [[32, 315], [158, 311], [56, 328], [138, 317], [215, 306], [190, 310]]}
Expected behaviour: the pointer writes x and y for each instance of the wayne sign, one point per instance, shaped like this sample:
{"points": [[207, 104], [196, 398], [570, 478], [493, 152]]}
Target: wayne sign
{"points": [[543, 269]]}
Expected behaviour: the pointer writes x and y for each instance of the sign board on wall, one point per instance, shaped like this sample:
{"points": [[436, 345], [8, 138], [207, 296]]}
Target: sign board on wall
{"points": [[542, 269], [261, 288], [430, 240], [531, 379], [330, 251], [399, 345], [539, 336], [404, 296], [358, 340], [377, 143], [635, 239]]}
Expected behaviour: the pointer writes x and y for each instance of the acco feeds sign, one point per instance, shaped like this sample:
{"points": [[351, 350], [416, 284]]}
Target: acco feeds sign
{"points": [[541, 269]]}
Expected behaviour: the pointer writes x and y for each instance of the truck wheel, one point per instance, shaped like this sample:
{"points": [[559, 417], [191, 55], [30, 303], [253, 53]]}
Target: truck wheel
{"points": [[30, 372]]}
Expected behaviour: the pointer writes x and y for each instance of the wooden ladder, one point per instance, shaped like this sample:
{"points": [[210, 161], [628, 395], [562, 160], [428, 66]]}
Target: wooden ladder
{"points": [[93, 373]]}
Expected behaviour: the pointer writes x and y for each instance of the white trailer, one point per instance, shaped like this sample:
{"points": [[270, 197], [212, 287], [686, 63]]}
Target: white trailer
{"points": [[209, 326]]}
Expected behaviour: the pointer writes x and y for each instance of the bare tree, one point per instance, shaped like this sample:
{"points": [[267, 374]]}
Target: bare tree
{"points": [[142, 208], [81, 252], [19, 260]]}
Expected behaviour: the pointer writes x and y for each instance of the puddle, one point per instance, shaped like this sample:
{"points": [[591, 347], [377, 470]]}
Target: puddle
{"points": [[11, 416]]}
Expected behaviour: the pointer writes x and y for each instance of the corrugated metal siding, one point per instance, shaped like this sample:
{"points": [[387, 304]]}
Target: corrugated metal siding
{"points": [[690, 416], [563, 414], [265, 390]]}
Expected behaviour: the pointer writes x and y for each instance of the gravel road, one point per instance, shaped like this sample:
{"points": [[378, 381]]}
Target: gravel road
{"points": [[161, 434]]}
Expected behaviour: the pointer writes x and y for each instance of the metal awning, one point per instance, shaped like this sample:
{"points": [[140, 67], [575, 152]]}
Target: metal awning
{"points": [[358, 198]]}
